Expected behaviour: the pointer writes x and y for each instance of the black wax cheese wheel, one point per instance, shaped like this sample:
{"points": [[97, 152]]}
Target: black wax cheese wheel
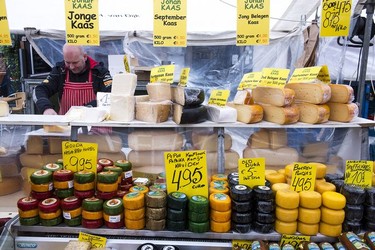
{"points": [[241, 206], [354, 212], [189, 115], [156, 213], [52, 167], [176, 225], [73, 222], [241, 193], [262, 227], [232, 175], [267, 183], [113, 206], [169, 248], [63, 175], [176, 214], [234, 181], [354, 194], [198, 217], [70, 203], [331, 177], [29, 221], [338, 184], [84, 194], [198, 227], [147, 246], [241, 228], [114, 225], [155, 225], [369, 213], [92, 204], [369, 226], [156, 199], [124, 165], [84, 176], [91, 224], [49, 205], [370, 196], [27, 203], [64, 193], [187, 96], [351, 226], [108, 177], [177, 200], [242, 218], [265, 218], [105, 162], [263, 193], [198, 204], [41, 177], [51, 222], [265, 206]]}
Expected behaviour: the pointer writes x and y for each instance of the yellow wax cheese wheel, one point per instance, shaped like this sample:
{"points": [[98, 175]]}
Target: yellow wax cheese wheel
{"points": [[319, 181], [307, 229], [106, 187], [69, 214], [135, 224], [41, 187], [321, 169], [289, 170], [219, 177], [220, 202], [269, 171], [288, 180], [84, 186], [220, 216], [141, 189], [288, 199], [373, 179], [134, 200], [281, 171], [332, 216], [276, 178], [88, 215], [286, 215], [329, 229], [63, 184], [50, 216], [135, 214], [333, 200], [283, 227], [322, 187], [310, 199], [220, 227], [278, 186], [28, 213], [219, 189], [309, 216]]}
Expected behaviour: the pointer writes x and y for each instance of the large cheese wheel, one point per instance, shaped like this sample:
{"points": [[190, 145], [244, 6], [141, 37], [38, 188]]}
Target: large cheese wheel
{"points": [[333, 200], [313, 113], [31, 161], [281, 115], [159, 91], [10, 185], [124, 84], [243, 97], [342, 112], [316, 93], [283, 227], [248, 113], [185, 115], [310, 199], [274, 157], [274, 96], [168, 140], [187, 96], [208, 141], [221, 114], [288, 199], [341, 93], [259, 139], [308, 229], [34, 145], [153, 112], [122, 108], [106, 143]]}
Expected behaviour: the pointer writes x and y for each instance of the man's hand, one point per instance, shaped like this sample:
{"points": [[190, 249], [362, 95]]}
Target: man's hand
{"points": [[49, 112]]}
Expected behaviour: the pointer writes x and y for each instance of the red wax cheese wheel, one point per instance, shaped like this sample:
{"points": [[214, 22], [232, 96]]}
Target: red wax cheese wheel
{"points": [[106, 195], [91, 224], [70, 203], [63, 175], [105, 162], [84, 194], [49, 205], [114, 225], [41, 195], [27, 203]]}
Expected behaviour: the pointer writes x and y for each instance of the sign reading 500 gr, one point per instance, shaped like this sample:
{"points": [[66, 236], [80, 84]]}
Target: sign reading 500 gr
{"points": [[78, 156]]}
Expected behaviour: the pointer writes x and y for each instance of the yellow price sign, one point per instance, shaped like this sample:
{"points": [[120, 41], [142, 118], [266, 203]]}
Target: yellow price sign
{"points": [[251, 171], [96, 241], [303, 177], [335, 17], [294, 240], [359, 173], [275, 78], [5, 38], [78, 156], [186, 171], [310, 74], [219, 97], [126, 63], [82, 22], [241, 244], [250, 80], [162, 74], [184, 77]]}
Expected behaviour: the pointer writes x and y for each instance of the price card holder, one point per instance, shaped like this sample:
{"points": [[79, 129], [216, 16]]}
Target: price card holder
{"points": [[241, 244], [274, 78], [5, 38], [103, 99], [184, 77], [359, 173], [335, 18], [186, 171], [96, 241], [78, 156], [219, 97], [251, 171], [294, 240], [303, 177], [311, 74], [250, 80], [162, 74]]}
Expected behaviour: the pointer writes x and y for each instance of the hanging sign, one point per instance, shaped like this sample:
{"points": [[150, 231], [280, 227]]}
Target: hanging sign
{"points": [[96, 241], [303, 177], [219, 97], [275, 78], [79, 156], [184, 77], [82, 22], [294, 240], [359, 173], [251, 171], [250, 80], [186, 171], [170, 23], [253, 22], [5, 38], [310, 74], [335, 17], [163, 73]]}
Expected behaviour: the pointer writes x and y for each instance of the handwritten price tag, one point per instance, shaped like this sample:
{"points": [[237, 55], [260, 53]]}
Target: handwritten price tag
{"points": [[241, 244], [275, 78], [78, 156], [303, 177], [186, 171], [162, 74], [335, 17], [293, 240], [96, 241], [251, 171], [219, 97], [359, 173], [103, 99]]}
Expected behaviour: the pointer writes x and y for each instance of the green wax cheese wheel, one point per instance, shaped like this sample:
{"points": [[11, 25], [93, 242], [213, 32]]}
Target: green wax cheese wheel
{"points": [[198, 217], [156, 199], [198, 204], [199, 227], [241, 228], [113, 206], [60, 162], [124, 164], [92, 204], [52, 167], [73, 222], [108, 177], [64, 193], [156, 213], [41, 177], [84, 176], [176, 214], [52, 222], [113, 169], [29, 221], [177, 200], [241, 193], [263, 193], [176, 225], [155, 225]]}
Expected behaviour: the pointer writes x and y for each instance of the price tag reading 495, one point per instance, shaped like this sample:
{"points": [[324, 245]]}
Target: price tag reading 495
{"points": [[303, 177], [186, 171], [78, 156]]}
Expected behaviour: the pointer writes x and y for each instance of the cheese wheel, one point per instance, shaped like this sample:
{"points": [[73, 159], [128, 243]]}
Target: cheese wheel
{"points": [[34, 145], [220, 216], [243, 97], [307, 229], [309, 216], [248, 113], [342, 112], [88, 215], [324, 186], [134, 214], [191, 115], [156, 139], [285, 227], [63, 184], [4, 108], [278, 138], [155, 199], [259, 139], [274, 96], [316, 93], [55, 144], [134, 200], [28, 213], [159, 91], [274, 157], [187, 96], [220, 202], [219, 177], [277, 186], [289, 170], [105, 187], [124, 83], [41, 187], [220, 227], [10, 185], [69, 214], [286, 215], [153, 112], [329, 229], [51, 215], [274, 178], [341, 93], [310, 199], [321, 169], [281, 115], [156, 213], [332, 216], [208, 141], [221, 114], [313, 113], [333, 200], [135, 224], [84, 186], [288, 199], [219, 189]]}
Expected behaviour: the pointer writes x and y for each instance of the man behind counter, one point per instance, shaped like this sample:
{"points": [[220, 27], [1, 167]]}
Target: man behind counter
{"points": [[77, 79]]}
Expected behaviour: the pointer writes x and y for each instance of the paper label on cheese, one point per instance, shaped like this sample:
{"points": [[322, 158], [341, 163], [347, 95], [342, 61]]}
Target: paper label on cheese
{"points": [[184, 77], [251, 171], [162, 74], [95, 240], [335, 18], [294, 240], [250, 80], [5, 38], [303, 177], [359, 173], [275, 78], [219, 97], [310, 74], [103, 99]]}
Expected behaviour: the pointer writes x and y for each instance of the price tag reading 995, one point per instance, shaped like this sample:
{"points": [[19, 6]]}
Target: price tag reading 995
{"points": [[78, 156], [359, 173], [303, 177], [186, 171]]}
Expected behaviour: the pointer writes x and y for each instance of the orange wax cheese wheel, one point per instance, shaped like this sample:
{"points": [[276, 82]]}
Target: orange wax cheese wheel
{"points": [[69, 214], [50, 216], [329, 229], [309, 216], [135, 224], [286, 215], [220, 216], [333, 200], [310, 199], [321, 169], [84, 186], [219, 189], [88, 215], [135, 214], [219, 177], [220, 227], [220, 202], [107, 187], [134, 200], [28, 213], [216, 183], [41, 187], [277, 186], [63, 184], [275, 178], [332, 216], [307, 229], [283, 227], [288, 199], [324, 186]]}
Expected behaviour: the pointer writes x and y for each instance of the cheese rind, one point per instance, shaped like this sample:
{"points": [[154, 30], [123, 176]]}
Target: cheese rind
{"points": [[281, 115], [243, 97], [248, 113], [154, 112], [141, 98], [187, 96], [315, 93], [168, 140], [185, 115], [313, 113], [341, 93], [274, 96], [221, 114], [341, 112], [159, 91], [122, 108]]}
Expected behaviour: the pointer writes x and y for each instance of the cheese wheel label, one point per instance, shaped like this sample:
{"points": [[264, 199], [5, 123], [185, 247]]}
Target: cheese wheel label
{"points": [[49, 201], [132, 195], [67, 215], [28, 200], [104, 161], [50, 186], [128, 174], [114, 218], [70, 184], [139, 188], [240, 187], [198, 198], [71, 199]]}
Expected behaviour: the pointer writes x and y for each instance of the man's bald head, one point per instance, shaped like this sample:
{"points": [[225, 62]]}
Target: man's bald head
{"points": [[75, 58]]}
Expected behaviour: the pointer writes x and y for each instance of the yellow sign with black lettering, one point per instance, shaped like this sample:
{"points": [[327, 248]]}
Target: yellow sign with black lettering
{"points": [[275, 78], [359, 173], [251, 171], [96, 241], [163, 73], [82, 22], [170, 23], [219, 97], [250, 80], [303, 177], [294, 240], [311, 74], [241, 244], [335, 17], [78, 156], [5, 38], [186, 171], [184, 77]]}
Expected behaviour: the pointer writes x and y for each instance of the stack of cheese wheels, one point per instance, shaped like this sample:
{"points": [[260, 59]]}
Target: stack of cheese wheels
{"points": [[219, 186], [277, 104], [220, 212], [309, 212], [103, 162], [113, 213], [41, 184], [52, 167], [332, 213], [92, 212], [287, 202], [28, 211], [126, 177], [342, 108], [264, 210], [139, 188], [369, 214], [72, 211], [198, 214], [84, 180], [134, 210], [50, 212], [63, 183], [275, 176], [176, 211], [242, 197], [156, 210], [107, 184], [354, 208]]}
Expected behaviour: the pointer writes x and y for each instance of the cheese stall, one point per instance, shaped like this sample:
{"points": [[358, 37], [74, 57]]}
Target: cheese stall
{"points": [[205, 150]]}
